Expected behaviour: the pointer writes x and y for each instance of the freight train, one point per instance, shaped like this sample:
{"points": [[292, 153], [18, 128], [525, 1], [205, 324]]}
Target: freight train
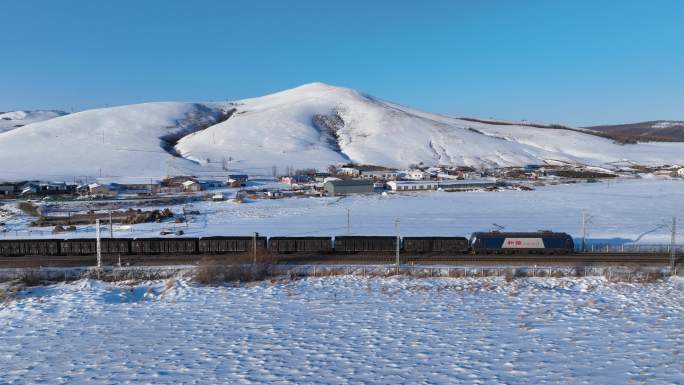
{"points": [[543, 242]]}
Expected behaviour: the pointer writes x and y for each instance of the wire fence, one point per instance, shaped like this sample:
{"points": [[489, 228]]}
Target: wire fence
{"points": [[630, 248]]}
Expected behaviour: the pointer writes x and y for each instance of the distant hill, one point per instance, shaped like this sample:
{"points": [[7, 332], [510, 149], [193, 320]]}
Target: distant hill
{"points": [[15, 119], [653, 131], [311, 126]]}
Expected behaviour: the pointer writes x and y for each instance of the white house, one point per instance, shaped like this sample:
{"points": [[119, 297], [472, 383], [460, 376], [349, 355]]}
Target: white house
{"points": [[467, 184], [191, 186], [98, 190], [410, 185], [330, 178], [351, 171], [379, 174], [416, 175], [423, 185]]}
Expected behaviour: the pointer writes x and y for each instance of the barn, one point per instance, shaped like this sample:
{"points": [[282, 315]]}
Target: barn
{"points": [[344, 187]]}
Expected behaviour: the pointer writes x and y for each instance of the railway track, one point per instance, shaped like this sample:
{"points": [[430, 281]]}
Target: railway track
{"points": [[157, 260]]}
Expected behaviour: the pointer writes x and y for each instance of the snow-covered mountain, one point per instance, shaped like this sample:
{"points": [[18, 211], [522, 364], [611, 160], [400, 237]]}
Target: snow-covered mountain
{"points": [[317, 124], [15, 119], [314, 125], [118, 141]]}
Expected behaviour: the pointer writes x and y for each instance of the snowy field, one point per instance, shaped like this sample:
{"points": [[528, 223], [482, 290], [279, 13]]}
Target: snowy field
{"points": [[347, 330], [621, 209]]}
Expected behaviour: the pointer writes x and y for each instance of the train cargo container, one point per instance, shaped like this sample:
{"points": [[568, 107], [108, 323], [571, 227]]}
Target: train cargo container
{"points": [[227, 245], [423, 245], [20, 247], [309, 245], [89, 246], [164, 246], [542, 242], [361, 244]]}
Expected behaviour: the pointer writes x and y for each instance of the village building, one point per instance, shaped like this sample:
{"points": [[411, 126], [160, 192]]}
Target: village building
{"points": [[344, 187], [680, 172], [177, 181], [416, 175], [134, 185], [210, 184], [191, 186], [379, 175], [433, 171], [47, 188], [6, 189], [321, 176], [240, 177], [294, 179], [468, 184], [10, 189], [234, 183], [351, 171], [453, 184], [412, 185], [274, 194], [444, 175], [100, 191]]}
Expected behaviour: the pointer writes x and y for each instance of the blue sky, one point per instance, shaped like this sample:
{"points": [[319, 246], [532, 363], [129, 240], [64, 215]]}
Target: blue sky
{"points": [[572, 62]]}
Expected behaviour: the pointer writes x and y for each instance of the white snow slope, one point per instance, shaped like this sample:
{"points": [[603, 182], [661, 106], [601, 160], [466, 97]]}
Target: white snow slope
{"points": [[347, 330], [314, 125], [118, 141], [278, 130], [15, 119]]}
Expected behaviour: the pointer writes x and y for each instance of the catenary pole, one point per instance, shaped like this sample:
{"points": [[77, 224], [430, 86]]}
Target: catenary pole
{"points": [[98, 247], [348, 223], [396, 226], [584, 230], [254, 247], [673, 242]]}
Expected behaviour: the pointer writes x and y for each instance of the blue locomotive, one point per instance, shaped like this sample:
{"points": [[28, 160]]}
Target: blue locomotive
{"points": [[541, 242]]}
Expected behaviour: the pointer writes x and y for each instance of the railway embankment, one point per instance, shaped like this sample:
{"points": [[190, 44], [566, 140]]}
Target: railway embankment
{"points": [[42, 275]]}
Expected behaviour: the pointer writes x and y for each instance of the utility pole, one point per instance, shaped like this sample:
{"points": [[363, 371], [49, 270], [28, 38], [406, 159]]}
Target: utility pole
{"points": [[254, 247], [348, 223], [396, 226], [673, 240], [98, 247], [111, 226], [584, 230]]}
